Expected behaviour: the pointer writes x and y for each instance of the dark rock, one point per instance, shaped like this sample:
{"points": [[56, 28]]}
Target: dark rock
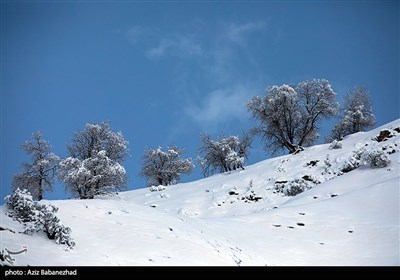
{"points": [[384, 135], [312, 163]]}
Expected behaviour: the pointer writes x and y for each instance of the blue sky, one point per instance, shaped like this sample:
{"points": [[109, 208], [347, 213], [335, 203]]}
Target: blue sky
{"points": [[163, 72]]}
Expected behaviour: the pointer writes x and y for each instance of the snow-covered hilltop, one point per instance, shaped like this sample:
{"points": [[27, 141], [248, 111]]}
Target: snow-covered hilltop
{"points": [[348, 214]]}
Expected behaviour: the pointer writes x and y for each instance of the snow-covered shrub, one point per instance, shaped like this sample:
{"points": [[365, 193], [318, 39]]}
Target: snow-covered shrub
{"points": [[327, 161], [21, 205], [375, 158], [335, 145], [279, 186], [157, 188], [311, 178], [36, 217], [295, 187], [328, 166], [251, 196], [352, 162], [62, 235], [372, 158], [47, 219]]}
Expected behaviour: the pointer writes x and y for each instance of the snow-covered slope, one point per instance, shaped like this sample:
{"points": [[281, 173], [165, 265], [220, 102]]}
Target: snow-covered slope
{"points": [[240, 218]]}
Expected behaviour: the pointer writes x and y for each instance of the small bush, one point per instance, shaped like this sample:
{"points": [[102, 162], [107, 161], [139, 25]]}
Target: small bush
{"points": [[350, 164], [335, 145], [375, 158], [371, 158], [157, 188], [21, 205], [251, 195], [295, 187]]}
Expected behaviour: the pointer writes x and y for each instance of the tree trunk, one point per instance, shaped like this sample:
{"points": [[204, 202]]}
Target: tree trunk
{"points": [[40, 188]]}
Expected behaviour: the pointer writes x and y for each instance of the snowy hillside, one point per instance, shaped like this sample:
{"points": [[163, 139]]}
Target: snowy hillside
{"points": [[241, 218]]}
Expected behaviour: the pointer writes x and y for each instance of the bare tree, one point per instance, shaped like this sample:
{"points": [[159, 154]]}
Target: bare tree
{"points": [[38, 176], [94, 163], [164, 168], [357, 114], [289, 115], [224, 154], [339, 131]]}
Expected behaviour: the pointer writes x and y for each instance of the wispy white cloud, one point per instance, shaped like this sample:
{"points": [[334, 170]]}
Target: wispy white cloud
{"points": [[221, 105], [225, 49], [182, 44], [238, 33], [233, 43], [175, 46]]}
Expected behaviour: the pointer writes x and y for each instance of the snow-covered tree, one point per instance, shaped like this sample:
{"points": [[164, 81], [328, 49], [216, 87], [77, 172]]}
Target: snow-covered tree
{"points": [[38, 176], [94, 163], [224, 154], [164, 168], [357, 114], [338, 132], [289, 115]]}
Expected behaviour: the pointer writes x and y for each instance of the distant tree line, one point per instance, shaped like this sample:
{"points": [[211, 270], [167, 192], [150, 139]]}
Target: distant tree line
{"points": [[288, 117]]}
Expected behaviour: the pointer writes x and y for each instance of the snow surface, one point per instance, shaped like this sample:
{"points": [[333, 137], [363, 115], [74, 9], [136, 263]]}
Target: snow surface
{"points": [[351, 219]]}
